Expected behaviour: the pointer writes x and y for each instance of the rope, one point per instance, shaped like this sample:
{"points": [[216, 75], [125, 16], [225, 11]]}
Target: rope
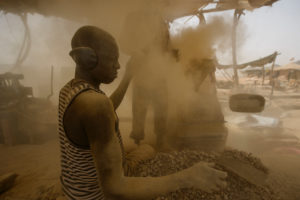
{"points": [[26, 44]]}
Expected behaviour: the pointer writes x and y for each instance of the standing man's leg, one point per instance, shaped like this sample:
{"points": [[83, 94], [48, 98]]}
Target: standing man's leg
{"points": [[140, 103], [160, 105]]}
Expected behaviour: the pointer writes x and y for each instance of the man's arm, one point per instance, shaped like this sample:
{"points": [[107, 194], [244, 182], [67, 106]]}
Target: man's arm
{"points": [[132, 68], [118, 95], [99, 123]]}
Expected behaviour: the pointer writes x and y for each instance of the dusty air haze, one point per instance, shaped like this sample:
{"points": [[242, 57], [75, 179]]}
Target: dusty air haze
{"points": [[172, 45]]}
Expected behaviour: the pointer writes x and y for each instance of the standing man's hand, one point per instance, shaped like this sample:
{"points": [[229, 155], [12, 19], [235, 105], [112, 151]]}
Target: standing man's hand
{"points": [[130, 70], [118, 95], [133, 66]]}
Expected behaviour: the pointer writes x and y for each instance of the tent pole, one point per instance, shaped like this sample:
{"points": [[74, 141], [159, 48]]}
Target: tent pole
{"points": [[201, 18], [236, 17], [272, 76], [263, 75]]}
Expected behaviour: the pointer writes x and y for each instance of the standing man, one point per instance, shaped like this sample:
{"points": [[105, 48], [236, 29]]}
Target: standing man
{"points": [[149, 90], [90, 141], [145, 37]]}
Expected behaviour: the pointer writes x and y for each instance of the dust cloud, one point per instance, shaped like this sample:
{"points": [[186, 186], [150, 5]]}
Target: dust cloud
{"points": [[162, 60], [138, 26], [202, 41], [51, 36]]}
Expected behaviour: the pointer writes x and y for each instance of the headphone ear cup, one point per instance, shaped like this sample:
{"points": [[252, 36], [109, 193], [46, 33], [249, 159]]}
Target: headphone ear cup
{"points": [[85, 57]]}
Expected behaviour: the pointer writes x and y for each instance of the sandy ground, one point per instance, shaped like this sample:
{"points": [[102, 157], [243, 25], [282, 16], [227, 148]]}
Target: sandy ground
{"points": [[38, 166], [278, 147]]}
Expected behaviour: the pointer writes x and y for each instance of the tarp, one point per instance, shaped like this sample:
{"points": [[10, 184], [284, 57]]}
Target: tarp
{"points": [[69, 8], [107, 14], [244, 4], [256, 63], [110, 14], [172, 9]]}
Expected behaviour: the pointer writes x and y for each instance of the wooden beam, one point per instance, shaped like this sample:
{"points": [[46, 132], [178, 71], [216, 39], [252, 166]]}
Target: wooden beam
{"points": [[272, 81], [263, 75], [236, 17]]}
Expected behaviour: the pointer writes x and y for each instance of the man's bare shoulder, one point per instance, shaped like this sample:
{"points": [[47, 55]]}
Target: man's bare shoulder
{"points": [[94, 113], [92, 102]]}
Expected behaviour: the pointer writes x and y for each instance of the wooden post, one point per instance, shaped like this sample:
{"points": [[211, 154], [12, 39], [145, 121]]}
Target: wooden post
{"points": [[272, 81], [263, 75], [272, 68], [236, 17], [51, 84], [202, 18]]}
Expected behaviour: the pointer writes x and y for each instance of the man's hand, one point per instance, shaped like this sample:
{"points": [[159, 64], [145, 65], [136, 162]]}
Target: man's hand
{"points": [[134, 65], [204, 177], [129, 71], [118, 95]]}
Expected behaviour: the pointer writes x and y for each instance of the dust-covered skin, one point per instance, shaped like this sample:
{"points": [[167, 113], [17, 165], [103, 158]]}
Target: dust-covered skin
{"points": [[94, 114]]}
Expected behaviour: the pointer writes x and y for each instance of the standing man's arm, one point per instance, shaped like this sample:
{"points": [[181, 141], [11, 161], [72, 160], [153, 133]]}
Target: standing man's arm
{"points": [[98, 121], [118, 95]]}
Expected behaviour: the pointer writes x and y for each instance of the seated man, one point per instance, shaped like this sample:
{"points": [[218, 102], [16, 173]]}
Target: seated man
{"points": [[91, 145]]}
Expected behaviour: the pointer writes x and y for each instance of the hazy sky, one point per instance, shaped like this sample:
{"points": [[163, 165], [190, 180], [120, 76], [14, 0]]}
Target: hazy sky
{"points": [[274, 28], [266, 30]]}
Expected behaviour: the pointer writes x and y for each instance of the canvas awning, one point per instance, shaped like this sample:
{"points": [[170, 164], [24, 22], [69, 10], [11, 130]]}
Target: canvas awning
{"points": [[256, 63], [72, 8], [107, 14], [171, 9]]}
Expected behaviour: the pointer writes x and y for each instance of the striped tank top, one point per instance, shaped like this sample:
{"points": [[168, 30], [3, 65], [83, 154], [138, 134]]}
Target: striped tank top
{"points": [[78, 172]]}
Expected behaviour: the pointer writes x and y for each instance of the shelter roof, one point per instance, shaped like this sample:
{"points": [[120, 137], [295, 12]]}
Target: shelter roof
{"points": [[63, 8], [171, 9], [255, 63]]}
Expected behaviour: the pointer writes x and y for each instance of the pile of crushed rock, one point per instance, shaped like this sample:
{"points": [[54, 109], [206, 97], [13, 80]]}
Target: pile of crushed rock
{"points": [[237, 188], [162, 164]]}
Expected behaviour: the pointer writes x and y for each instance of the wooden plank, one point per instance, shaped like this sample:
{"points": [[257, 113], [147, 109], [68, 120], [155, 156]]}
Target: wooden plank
{"points": [[244, 170], [7, 181]]}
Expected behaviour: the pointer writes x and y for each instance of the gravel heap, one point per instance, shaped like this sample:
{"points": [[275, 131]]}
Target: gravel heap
{"points": [[237, 187]]}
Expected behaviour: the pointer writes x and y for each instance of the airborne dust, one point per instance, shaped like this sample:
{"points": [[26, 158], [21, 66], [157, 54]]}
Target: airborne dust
{"points": [[167, 59]]}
